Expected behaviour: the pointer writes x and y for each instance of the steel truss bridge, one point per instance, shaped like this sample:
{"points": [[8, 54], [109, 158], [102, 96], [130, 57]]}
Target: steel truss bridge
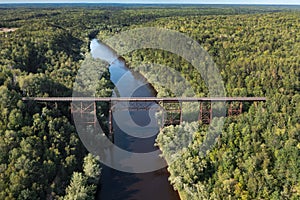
{"points": [[172, 106]]}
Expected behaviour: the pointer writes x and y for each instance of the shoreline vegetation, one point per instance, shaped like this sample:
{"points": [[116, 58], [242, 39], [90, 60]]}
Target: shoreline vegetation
{"points": [[253, 57], [257, 52]]}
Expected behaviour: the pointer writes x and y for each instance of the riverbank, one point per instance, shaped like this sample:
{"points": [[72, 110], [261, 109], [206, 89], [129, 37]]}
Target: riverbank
{"points": [[161, 79], [162, 91], [155, 184]]}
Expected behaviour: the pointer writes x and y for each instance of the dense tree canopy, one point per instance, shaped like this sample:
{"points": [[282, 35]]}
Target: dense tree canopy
{"points": [[255, 48]]}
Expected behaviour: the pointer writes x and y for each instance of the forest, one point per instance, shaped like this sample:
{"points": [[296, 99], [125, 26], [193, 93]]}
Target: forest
{"points": [[257, 53]]}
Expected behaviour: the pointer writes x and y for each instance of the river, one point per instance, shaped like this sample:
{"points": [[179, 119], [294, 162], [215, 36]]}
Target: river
{"points": [[118, 185]]}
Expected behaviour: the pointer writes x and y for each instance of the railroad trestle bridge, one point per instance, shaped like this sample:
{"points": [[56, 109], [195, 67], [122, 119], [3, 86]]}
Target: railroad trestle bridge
{"points": [[86, 107]]}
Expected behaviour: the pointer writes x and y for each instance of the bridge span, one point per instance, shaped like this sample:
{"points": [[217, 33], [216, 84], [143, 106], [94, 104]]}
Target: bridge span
{"points": [[87, 106], [144, 99]]}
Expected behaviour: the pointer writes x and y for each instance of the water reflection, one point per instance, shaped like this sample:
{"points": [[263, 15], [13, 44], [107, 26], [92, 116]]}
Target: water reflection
{"points": [[120, 185]]}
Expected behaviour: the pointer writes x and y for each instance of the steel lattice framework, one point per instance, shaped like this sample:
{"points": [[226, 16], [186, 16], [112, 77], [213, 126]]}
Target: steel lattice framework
{"points": [[86, 107]]}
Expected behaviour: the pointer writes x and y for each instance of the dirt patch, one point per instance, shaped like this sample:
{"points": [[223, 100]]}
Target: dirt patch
{"points": [[6, 30]]}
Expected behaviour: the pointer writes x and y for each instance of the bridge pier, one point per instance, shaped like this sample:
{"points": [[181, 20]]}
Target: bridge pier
{"points": [[86, 111], [163, 116], [110, 123], [205, 114], [87, 114], [235, 108], [180, 120]]}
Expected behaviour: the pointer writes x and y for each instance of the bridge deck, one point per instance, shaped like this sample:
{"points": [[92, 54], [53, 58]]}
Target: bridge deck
{"points": [[143, 99]]}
